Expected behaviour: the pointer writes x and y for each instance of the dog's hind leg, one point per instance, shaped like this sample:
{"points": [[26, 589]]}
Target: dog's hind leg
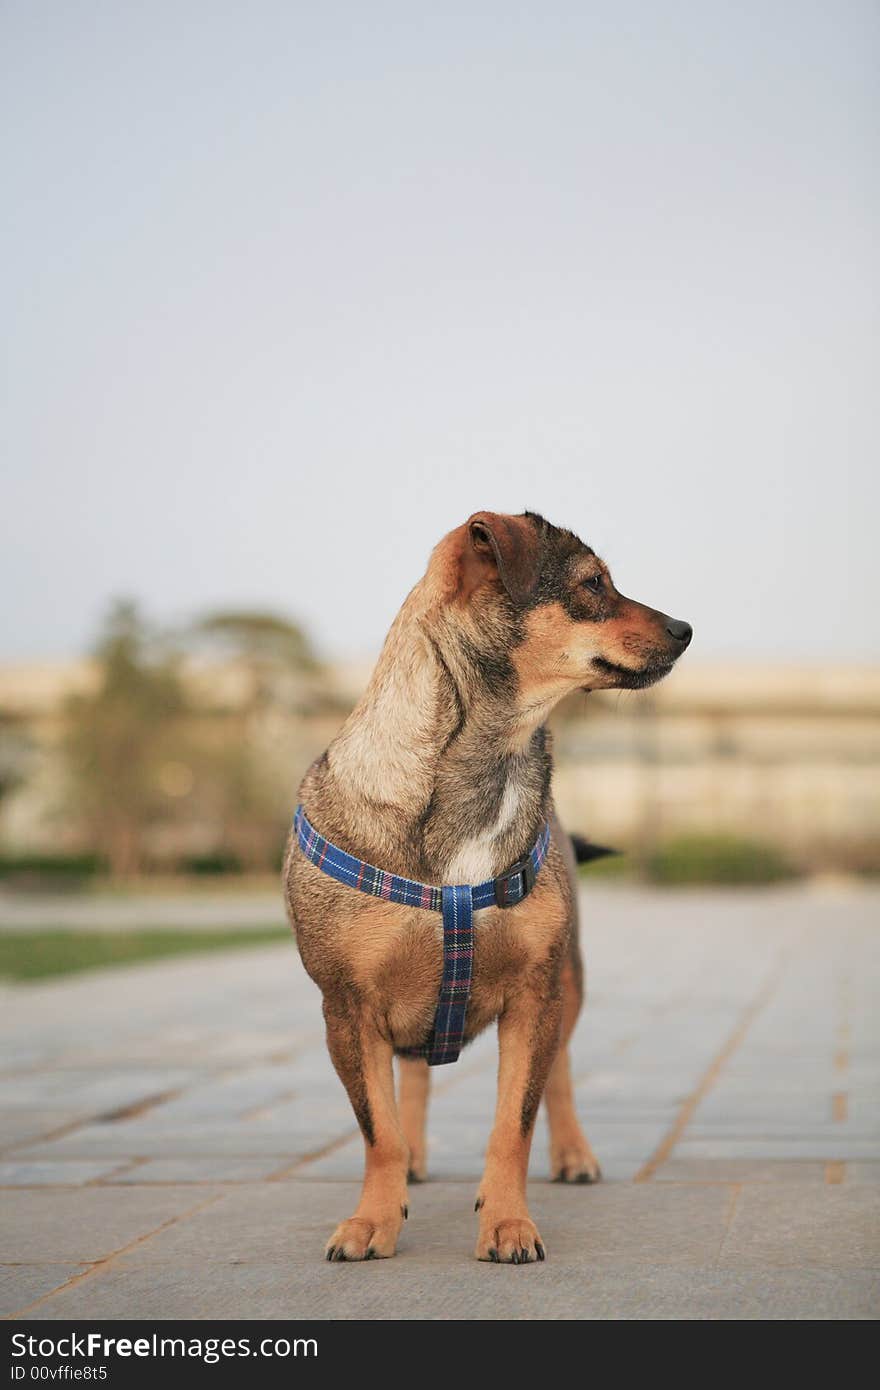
{"points": [[571, 1158], [414, 1086], [363, 1060]]}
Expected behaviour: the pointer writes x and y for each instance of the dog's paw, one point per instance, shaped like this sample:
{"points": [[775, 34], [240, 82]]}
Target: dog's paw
{"points": [[575, 1164], [360, 1238], [419, 1168], [516, 1241]]}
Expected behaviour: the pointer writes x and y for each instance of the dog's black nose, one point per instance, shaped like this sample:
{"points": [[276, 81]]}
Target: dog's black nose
{"points": [[682, 632]]}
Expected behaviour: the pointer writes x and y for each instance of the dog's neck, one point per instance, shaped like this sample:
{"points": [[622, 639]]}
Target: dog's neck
{"points": [[444, 776]]}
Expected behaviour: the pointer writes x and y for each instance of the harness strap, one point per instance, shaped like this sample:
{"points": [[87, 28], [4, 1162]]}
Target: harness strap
{"points": [[457, 904]]}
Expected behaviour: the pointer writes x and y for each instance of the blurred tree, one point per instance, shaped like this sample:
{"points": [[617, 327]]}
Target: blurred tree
{"points": [[16, 752], [248, 774], [271, 648], [121, 736], [243, 789]]}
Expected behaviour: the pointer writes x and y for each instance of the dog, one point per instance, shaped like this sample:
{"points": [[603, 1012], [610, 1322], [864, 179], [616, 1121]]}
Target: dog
{"points": [[442, 775]]}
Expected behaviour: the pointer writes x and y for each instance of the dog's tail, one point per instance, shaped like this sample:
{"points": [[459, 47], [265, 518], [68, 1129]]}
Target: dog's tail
{"points": [[585, 852]]}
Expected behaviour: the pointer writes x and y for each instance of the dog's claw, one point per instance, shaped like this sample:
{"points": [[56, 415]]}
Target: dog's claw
{"points": [[577, 1168], [540, 1250], [371, 1254], [493, 1255], [405, 1210], [331, 1252], [578, 1179]]}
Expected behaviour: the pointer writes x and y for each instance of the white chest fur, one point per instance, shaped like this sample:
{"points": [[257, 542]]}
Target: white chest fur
{"points": [[475, 859]]}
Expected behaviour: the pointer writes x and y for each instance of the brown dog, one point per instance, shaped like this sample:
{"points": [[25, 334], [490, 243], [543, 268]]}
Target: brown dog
{"points": [[442, 774]]}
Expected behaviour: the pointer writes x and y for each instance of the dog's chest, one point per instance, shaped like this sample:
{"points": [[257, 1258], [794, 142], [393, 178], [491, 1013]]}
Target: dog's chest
{"points": [[404, 986], [476, 858], [402, 976]]}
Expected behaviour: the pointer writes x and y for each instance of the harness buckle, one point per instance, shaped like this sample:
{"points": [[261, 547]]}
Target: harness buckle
{"points": [[505, 885]]}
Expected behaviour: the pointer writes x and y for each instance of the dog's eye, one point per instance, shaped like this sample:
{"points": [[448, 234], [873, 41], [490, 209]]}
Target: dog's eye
{"points": [[594, 583]]}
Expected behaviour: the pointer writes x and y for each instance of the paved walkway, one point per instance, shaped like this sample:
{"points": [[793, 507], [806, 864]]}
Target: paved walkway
{"points": [[175, 1143]]}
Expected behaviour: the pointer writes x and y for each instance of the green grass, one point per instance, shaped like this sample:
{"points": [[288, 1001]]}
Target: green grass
{"points": [[717, 859], [723, 860], [37, 955], [615, 867]]}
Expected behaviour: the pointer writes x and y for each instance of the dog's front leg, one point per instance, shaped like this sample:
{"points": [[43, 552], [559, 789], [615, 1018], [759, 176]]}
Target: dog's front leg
{"points": [[363, 1060], [528, 1037]]}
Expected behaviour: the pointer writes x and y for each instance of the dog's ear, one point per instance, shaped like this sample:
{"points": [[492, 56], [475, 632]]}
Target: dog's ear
{"points": [[509, 545]]}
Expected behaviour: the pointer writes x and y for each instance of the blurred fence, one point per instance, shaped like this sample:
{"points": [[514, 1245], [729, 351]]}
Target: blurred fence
{"points": [[778, 756], [784, 756]]}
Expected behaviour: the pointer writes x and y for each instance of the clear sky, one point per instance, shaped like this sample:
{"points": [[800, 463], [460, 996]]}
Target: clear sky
{"points": [[291, 289]]}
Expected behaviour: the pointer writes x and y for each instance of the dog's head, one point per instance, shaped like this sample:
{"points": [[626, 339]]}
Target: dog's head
{"points": [[551, 601]]}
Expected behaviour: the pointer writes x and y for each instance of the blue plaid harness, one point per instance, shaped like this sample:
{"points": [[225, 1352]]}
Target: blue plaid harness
{"points": [[458, 903]]}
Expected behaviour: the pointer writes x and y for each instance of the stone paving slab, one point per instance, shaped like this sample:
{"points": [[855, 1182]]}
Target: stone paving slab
{"points": [[173, 1141], [214, 1169], [22, 1284], [32, 1124], [835, 1227], [283, 1223], [55, 1172], [740, 1170], [863, 1172], [251, 1254], [92, 1091], [638, 1291], [52, 1226], [824, 1149], [197, 1141]]}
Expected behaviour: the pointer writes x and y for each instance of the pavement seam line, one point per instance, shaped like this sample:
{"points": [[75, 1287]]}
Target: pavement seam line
{"points": [[715, 1067], [59, 1132], [123, 1113], [835, 1169], [350, 1135], [732, 1200], [125, 1165], [290, 1168], [134, 1108], [106, 1261]]}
